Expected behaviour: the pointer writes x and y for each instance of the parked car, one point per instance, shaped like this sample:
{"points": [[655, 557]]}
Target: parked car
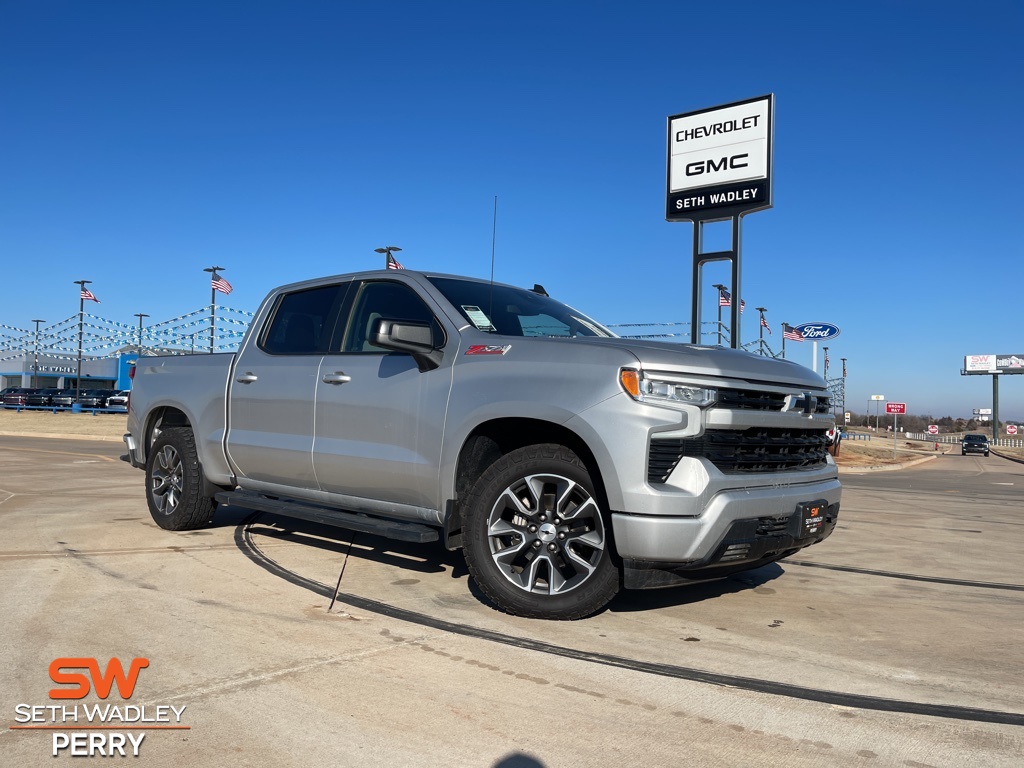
{"points": [[94, 398], [974, 444], [118, 401], [63, 398], [16, 396], [41, 396], [6, 391]]}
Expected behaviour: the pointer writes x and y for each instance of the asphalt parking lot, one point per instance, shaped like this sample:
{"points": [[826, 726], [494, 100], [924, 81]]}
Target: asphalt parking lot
{"points": [[894, 643]]}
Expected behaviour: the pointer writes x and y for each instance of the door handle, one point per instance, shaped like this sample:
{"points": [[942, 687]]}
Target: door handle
{"points": [[246, 378], [336, 378]]}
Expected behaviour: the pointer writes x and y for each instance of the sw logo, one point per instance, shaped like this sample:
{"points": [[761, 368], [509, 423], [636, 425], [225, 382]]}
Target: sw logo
{"points": [[82, 729], [101, 681]]}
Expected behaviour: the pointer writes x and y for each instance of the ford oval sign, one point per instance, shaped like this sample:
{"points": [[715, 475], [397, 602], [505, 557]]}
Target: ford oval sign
{"points": [[817, 331]]}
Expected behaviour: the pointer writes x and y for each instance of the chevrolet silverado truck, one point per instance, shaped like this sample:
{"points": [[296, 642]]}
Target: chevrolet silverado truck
{"points": [[565, 462]]}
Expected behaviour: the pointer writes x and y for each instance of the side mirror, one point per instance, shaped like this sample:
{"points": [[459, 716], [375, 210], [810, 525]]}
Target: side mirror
{"points": [[416, 339]]}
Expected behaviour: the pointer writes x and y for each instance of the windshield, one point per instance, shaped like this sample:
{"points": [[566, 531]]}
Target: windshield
{"points": [[510, 311]]}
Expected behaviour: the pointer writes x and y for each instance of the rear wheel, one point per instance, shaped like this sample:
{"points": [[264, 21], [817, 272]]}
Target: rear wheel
{"points": [[174, 482], [536, 538]]}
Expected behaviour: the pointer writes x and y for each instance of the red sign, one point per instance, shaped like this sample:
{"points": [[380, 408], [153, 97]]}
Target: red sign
{"points": [[1011, 429], [895, 407], [933, 429]]}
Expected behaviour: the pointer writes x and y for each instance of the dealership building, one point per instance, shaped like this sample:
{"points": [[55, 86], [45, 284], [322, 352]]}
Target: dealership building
{"points": [[26, 369]]}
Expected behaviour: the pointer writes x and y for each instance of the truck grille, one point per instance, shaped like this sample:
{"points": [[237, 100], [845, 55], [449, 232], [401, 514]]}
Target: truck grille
{"points": [[751, 400], [757, 400], [754, 450]]}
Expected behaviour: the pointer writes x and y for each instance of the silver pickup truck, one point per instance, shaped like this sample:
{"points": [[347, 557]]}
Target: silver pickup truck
{"points": [[564, 461]]}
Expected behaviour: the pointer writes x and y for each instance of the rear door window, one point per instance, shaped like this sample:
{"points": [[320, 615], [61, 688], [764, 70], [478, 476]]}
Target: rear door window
{"points": [[302, 321]]}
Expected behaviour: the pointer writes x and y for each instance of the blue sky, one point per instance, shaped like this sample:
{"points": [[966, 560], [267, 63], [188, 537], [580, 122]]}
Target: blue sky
{"points": [[142, 142]]}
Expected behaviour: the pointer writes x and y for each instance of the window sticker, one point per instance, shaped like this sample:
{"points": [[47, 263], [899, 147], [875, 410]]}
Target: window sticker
{"points": [[478, 318]]}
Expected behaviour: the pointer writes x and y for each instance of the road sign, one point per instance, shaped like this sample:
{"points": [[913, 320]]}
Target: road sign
{"points": [[895, 407], [1011, 429], [933, 429]]}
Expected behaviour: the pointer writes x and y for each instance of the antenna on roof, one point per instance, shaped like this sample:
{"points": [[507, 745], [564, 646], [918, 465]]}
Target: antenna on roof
{"points": [[494, 237]]}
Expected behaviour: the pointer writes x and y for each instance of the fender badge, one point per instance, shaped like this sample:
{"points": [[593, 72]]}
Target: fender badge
{"points": [[488, 349]]}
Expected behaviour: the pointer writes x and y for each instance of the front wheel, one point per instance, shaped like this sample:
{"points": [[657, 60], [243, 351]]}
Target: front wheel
{"points": [[174, 482], [536, 541]]}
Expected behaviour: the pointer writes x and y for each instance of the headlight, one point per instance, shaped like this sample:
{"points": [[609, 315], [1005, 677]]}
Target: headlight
{"points": [[644, 387]]}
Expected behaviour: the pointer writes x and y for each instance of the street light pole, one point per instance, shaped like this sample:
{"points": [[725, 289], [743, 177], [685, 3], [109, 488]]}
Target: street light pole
{"points": [[138, 348], [213, 303], [844, 386], [720, 288], [35, 357], [387, 250], [81, 313]]}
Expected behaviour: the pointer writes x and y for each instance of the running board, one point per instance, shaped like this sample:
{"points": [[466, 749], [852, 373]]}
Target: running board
{"points": [[353, 521]]}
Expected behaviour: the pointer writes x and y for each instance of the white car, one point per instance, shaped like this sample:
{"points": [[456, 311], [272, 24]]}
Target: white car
{"points": [[118, 401]]}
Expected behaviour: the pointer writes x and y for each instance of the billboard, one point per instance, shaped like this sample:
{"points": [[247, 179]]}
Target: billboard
{"points": [[994, 364], [719, 160]]}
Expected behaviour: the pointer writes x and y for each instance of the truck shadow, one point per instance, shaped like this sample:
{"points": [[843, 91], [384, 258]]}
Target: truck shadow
{"points": [[426, 558], [433, 558], [632, 601]]}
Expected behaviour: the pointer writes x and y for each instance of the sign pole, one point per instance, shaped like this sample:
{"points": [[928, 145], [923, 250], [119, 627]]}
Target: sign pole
{"points": [[895, 416]]}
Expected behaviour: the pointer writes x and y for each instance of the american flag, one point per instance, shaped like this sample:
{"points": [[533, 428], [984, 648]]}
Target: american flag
{"points": [[393, 263], [844, 368], [764, 324], [725, 300], [89, 295], [218, 283], [826, 358], [791, 333]]}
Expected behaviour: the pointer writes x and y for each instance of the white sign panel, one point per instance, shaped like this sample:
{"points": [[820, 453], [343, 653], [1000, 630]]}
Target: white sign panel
{"points": [[720, 158], [980, 363]]}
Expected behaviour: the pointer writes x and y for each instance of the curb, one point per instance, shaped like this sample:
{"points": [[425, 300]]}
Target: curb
{"points": [[889, 467], [100, 438]]}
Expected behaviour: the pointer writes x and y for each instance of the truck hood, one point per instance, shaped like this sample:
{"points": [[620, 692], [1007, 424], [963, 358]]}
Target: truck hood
{"points": [[712, 361]]}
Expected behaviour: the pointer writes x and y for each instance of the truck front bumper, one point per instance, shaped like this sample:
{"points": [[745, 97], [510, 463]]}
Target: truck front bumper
{"points": [[738, 530]]}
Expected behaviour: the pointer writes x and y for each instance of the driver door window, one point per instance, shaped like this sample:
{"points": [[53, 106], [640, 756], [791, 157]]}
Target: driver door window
{"points": [[387, 300]]}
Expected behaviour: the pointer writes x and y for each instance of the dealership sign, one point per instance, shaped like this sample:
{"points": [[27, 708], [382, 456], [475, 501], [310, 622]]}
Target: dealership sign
{"points": [[994, 364], [817, 331], [719, 160]]}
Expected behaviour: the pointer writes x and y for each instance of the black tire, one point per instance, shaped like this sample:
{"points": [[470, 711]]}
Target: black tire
{"points": [[174, 482], [537, 542]]}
